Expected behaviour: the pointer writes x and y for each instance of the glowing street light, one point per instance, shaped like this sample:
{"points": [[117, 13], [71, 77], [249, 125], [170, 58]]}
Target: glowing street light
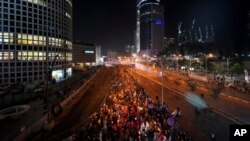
{"points": [[177, 56], [210, 55]]}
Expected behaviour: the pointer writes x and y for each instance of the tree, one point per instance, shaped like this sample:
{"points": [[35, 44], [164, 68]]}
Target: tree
{"points": [[184, 62], [196, 64], [236, 67]]}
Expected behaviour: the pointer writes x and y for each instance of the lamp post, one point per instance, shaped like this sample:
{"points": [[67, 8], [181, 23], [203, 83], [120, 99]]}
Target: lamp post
{"points": [[162, 88], [177, 58], [206, 66], [177, 64], [210, 55]]}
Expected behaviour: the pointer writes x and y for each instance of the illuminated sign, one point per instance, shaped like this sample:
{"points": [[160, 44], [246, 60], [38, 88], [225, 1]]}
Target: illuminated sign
{"points": [[159, 22], [58, 75], [89, 51]]}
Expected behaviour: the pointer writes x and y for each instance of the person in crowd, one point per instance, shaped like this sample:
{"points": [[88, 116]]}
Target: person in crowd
{"points": [[129, 114], [176, 112]]}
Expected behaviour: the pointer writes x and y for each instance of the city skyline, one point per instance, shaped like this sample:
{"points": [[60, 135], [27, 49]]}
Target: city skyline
{"points": [[93, 20], [171, 70]]}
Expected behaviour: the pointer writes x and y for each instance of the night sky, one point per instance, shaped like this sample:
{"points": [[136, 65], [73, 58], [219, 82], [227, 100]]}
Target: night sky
{"points": [[112, 23]]}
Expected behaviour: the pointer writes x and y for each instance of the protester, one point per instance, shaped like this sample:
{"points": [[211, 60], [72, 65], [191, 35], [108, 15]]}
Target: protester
{"points": [[129, 114]]}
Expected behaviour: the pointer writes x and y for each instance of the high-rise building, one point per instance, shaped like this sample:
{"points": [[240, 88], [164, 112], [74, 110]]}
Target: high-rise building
{"points": [[137, 32], [35, 38], [130, 49], [248, 26], [85, 54], [98, 55], [150, 27]]}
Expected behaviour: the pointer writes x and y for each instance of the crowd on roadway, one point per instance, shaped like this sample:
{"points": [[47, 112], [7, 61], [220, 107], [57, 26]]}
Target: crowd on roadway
{"points": [[130, 114]]}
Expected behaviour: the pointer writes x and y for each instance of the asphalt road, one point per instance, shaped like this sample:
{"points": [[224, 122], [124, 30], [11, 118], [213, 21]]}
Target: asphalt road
{"points": [[226, 109], [217, 122], [81, 107], [231, 106]]}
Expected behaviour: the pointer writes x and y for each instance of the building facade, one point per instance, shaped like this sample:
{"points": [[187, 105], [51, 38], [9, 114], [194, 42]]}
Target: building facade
{"points": [[248, 32], [150, 26], [99, 55], [85, 54], [35, 36]]}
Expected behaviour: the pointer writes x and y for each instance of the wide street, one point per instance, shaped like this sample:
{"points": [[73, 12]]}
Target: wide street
{"points": [[80, 107], [225, 110]]}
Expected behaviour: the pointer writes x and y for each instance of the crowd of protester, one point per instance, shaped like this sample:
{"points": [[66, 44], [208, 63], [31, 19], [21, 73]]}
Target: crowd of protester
{"points": [[130, 114]]}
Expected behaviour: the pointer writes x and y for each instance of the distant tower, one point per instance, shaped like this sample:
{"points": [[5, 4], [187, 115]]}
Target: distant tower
{"points": [[200, 40], [212, 33], [248, 26], [150, 26], [191, 30], [207, 33], [195, 34], [248, 33], [137, 32], [179, 33]]}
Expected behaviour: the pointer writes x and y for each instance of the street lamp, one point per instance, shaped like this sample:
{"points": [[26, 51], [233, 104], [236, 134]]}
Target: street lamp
{"points": [[162, 88], [177, 56], [210, 55]]}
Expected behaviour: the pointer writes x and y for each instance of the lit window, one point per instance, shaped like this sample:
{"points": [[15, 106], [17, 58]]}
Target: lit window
{"points": [[39, 2], [35, 37], [30, 37], [6, 55], [70, 3], [35, 42], [25, 36], [6, 37], [68, 15]]}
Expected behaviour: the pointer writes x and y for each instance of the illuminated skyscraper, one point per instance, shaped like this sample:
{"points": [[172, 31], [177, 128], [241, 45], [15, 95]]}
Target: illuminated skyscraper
{"points": [[248, 26], [33, 34], [150, 26], [248, 33]]}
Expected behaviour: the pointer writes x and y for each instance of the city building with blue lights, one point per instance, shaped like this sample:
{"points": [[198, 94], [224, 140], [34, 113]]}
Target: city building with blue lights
{"points": [[150, 27]]}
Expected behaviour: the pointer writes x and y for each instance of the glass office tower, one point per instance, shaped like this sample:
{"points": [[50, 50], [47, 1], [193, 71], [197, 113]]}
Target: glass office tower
{"points": [[35, 36], [150, 26]]}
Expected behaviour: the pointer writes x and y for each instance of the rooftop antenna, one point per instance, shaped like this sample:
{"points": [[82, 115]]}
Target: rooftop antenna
{"points": [[206, 32], [195, 34], [179, 27], [190, 31], [193, 23], [179, 31], [212, 31], [200, 34]]}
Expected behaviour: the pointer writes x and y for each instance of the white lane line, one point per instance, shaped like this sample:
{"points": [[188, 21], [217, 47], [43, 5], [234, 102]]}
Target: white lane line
{"points": [[226, 115]]}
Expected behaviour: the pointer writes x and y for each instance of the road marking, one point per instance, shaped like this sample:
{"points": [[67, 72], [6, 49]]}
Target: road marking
{"points": [[232, 97], [226, 115]]}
